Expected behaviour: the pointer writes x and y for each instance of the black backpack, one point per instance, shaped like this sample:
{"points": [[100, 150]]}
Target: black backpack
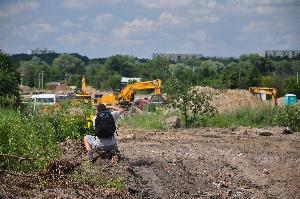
{"points": [[105, 124]]}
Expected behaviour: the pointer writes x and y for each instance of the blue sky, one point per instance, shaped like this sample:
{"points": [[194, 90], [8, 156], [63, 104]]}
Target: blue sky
{"points": [[101, 28]]}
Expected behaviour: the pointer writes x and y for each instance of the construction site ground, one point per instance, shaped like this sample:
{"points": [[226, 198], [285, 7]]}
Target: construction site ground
{"points": [[210, 163], [182, 163]]}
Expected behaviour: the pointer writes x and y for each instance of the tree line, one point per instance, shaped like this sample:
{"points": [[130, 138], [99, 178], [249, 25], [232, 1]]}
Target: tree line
{"points": [[103, 73]]}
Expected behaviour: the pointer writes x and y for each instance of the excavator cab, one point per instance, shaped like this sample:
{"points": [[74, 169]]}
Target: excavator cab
{"points": [[265, 90]]}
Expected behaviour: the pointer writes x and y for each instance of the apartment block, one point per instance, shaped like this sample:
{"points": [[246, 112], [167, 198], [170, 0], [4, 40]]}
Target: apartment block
{"points": [[282, 53], [177, 57]]}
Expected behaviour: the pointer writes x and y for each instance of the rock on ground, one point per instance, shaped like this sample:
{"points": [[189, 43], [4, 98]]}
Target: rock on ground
{"points": [[173, 122]]}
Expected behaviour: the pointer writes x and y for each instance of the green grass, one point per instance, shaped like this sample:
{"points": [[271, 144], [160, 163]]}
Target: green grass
{"points": [[115, 183], [89, 174], [144, 120], [35, 135], [257, 116]]}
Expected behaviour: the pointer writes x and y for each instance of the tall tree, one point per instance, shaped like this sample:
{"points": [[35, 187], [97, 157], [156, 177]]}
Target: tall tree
{"points": [[192, 103], [291, 86], [69, 64], [30, 71], [9, 83]]}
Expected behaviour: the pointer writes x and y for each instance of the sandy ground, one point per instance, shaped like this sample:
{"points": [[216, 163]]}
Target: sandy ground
{"points": [[193, 163]]}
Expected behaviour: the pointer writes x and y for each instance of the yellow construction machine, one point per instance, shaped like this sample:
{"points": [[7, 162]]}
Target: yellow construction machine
{"points": [[126, 95], [83, 96], [265, 90]]}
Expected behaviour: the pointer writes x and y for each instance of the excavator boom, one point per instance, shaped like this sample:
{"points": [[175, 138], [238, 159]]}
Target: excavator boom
{"points": [[126, 95], [265, 90], [127, 92]]}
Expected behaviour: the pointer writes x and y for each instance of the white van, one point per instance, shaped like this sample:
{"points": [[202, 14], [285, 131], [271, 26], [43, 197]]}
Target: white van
{"points": [[46, 99]]}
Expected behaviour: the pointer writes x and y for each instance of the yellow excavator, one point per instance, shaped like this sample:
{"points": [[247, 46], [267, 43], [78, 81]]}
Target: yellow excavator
{"points": [[265, 90], [83, 96], [126, 95]]}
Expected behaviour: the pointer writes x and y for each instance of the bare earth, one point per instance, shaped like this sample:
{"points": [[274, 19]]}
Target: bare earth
{"points": [[193, 163]]}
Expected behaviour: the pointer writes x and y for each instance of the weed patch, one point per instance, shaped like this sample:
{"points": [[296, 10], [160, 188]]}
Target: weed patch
{"points": [[145, 120], [257, 116], [29, 139]]}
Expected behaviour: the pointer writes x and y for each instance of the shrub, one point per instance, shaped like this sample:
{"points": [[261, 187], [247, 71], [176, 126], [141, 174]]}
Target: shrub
{"points": [[35, 134], [193, 103], [287, 116]]}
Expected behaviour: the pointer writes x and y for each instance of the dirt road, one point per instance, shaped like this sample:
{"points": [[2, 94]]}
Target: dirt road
{"points": [[216, 163], [194, 163]]}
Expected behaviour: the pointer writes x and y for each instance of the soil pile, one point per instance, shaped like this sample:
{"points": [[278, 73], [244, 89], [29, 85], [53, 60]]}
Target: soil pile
{"points": [[230, 99]]}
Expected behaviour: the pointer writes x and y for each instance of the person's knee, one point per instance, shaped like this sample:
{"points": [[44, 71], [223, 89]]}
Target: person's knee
{"points": [[85, 138]]}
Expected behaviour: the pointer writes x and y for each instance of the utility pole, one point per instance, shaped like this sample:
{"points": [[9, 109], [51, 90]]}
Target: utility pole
{"points": [[66, 78], [239, 72], [193, 80], [39, 80], [297, 77], [22, 76], [43, 80]]}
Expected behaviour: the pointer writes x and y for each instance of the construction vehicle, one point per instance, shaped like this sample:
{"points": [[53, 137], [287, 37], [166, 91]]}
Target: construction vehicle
{"points": [[126, 96], [265, 90], [83, 95]]}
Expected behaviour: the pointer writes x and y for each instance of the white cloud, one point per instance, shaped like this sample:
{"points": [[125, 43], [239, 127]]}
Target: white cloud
{"points": [[90, 39], [206, 18], [44, 27], [135, 28], [18, 8], [183, 6], [264, 10], [293, 39], [102, 20], [163, 4], [85, 4], [70, 24], [198, 36], [250, 7], [32, 32], [258, 27], [166, 18], [117, 42], [198, 40], [184, 12], [270, 34], [78, 4]]}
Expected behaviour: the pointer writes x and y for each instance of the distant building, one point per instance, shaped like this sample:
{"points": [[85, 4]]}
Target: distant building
{"points": [[282, 53], [125, 80], [177, 57], [38, 51], [52, 85]]}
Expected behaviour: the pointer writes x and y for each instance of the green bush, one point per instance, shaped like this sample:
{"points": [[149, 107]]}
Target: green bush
{"points": [[36, 134], [287, 116]]}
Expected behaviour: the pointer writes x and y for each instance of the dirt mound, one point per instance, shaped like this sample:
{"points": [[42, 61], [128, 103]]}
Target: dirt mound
{"points": [[230, 99]]}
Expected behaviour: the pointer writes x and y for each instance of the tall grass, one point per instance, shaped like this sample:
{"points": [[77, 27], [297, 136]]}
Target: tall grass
{"points": [[144, 120], [35, 136], [261, 115], [256, 116]]}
